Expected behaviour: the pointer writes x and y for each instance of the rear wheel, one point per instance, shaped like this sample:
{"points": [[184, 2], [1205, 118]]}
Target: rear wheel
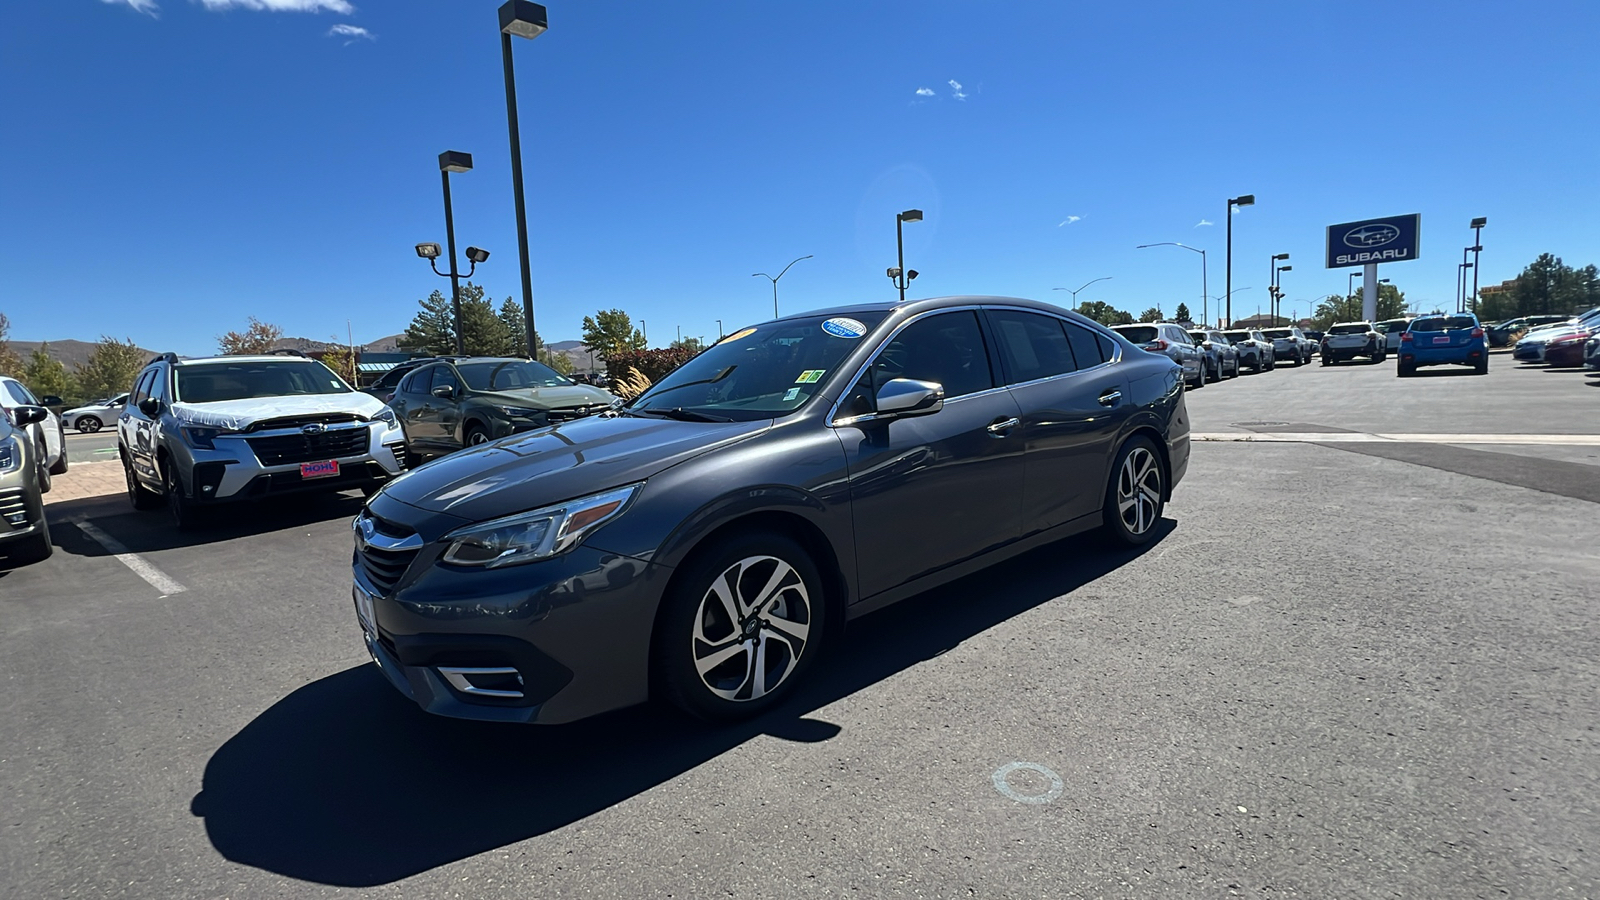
{"points": [[1481, 367], [60, 468], [1134, 493], [1407, 371], [1200, 376], [740, 627], [87, 424], [44, 471]]}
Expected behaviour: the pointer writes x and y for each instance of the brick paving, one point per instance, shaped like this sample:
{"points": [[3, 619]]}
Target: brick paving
{"points": [[83, 481]]}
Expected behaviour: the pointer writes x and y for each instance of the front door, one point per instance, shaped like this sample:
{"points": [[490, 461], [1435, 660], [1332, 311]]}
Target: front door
{"points": [[934, 490]]}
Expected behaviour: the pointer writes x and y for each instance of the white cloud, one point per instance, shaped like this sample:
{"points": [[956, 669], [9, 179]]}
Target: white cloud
{"points": [[1236, 209], [955, 90], [1068, 220], [353, 32], [1204, 222], [342, 7], [921, 91], [148, 7]]}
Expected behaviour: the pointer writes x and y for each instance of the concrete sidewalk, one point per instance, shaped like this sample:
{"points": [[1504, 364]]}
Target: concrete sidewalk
{"points": [[84, 481]]}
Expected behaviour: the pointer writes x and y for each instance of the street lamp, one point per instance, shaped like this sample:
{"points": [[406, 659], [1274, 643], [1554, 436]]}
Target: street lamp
{"points": [[1086, 284], [719, 330], [1273, 289], [452, 161], [523, 19], [898, 274], [1245, 200], [1205, 311], [1477, 247], [1277, 296], [775, 285], [1461, 278]]}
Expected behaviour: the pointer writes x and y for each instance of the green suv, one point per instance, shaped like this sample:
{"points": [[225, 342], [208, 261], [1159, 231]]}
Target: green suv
{"points": [[458, 402]]}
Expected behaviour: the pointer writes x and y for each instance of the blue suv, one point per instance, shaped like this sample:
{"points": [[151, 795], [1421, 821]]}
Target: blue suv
{"points": [[1438, 339]]}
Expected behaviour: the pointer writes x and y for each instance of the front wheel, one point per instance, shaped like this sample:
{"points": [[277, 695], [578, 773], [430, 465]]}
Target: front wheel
{"points": [[739, 628], [476, 435], [138, 495], [87, 424], [1135, 496], [180, 507], [1200, 376]]}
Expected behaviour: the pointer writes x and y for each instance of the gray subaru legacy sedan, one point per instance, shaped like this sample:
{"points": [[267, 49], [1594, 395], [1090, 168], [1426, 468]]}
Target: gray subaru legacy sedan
{"points": [[703, 542]]}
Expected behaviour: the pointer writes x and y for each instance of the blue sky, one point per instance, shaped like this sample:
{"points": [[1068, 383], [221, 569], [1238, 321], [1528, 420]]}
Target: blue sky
{"points": [[174, 166]]}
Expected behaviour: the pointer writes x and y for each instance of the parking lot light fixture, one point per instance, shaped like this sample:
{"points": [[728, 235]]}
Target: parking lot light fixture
{"points": [[1205, 293], [774, 280], [1085, 284], [900, 280], [1477, 247], [526, 19], [450, 161], [1242, 200]]}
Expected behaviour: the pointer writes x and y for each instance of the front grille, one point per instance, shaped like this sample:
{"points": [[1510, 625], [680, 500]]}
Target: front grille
{"points": [[568, 413], [334, 443], [384, 567]]}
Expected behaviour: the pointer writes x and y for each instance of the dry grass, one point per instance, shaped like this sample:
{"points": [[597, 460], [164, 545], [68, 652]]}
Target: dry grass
{"points": [[631, 384]]}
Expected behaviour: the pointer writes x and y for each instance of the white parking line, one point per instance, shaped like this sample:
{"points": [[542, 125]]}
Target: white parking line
{"points": [[1296, 437], [158, 579]]}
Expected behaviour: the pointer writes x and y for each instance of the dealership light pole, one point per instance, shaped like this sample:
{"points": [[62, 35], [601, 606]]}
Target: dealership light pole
{"points": [[452, 161], [1274, 290], [1244, 200], [1086, 284], [774, 279], [898, 274], [523, 19], [1477, 247], [1204, 292]]}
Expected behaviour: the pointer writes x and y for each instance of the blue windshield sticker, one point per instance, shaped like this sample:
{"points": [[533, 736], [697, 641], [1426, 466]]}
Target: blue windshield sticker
{"points": [[845, 328]]}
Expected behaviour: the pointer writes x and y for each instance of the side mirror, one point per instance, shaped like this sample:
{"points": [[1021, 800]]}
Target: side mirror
{"points": [[903, 397], [27, 415], [150, 406], [443, 392], [51, 400]]}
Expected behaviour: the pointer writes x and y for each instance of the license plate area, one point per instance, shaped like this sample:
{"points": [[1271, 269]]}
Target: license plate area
{"points": [[364, 612], [1442, 339], [325, 469]]}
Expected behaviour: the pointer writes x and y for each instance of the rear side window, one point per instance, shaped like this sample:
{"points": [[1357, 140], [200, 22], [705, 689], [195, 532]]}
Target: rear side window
{"points": [[1032, 345], [1087, 348]]}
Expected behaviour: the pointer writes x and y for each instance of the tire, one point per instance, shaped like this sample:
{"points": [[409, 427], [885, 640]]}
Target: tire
{"points": [[138, 495], [708, 641], [1130, 515], [476, 434], [87, 424], [1481, 367], [60, 468], [35, 549], [412, 460], [1407, 371], [1200, 376], [44, 471], [181, 508], [1327, 360]]}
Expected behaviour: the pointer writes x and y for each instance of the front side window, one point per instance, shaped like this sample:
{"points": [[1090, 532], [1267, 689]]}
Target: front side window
{"points": [[762, 372], [142, 388], [444, 376], [1032, 345], [218, 382]]}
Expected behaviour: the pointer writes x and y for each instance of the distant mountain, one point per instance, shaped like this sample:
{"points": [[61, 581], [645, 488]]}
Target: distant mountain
{"points": [[71, 354]]}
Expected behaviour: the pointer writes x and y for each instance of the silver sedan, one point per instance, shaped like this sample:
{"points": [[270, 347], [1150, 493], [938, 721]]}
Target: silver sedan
{"points": [[92, 417]]}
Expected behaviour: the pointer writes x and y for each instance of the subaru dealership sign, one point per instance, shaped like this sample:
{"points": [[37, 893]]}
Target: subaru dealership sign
{"points": [[1395, 239]]}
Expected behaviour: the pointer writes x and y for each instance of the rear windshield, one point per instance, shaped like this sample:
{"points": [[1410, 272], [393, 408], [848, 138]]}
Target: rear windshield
{"points": [[1139, 334], [1444, 323], [1277, 333], [1199, 336], [1235, 337], [214, 382], [1352, 328]]}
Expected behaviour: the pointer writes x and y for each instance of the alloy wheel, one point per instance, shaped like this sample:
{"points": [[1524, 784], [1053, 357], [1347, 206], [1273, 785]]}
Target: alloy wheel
{"points": [[751, 628], [1139, 490]]}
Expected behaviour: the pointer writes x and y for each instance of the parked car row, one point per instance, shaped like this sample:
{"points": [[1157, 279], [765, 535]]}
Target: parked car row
{"points": [[1210, 354], [33, 448], [1560, 344]]}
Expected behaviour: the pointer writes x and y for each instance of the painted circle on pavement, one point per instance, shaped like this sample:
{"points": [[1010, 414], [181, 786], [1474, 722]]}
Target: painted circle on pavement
{"points": [[1002, 782]]}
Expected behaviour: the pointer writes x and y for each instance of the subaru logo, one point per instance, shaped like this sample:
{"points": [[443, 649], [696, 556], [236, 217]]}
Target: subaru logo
{"points": [[1371, 236], [314, 428]]}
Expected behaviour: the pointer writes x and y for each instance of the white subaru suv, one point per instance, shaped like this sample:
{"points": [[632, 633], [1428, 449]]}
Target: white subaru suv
{"points": [[197, 432]]}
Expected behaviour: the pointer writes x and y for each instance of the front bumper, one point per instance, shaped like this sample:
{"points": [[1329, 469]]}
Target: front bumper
{"points": [[233, 470], [21, 508], [1531, 352], [570, 636]]}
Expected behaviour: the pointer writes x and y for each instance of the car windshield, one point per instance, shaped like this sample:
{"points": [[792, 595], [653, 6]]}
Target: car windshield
{"points": [[1351, 328], [761, 372], [216, 382], [1139, 334], [1278, 333], [1444, 323], [509, 375]]}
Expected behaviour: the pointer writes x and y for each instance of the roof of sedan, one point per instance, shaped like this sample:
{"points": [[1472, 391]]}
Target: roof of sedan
{"points": [[926, 303]]}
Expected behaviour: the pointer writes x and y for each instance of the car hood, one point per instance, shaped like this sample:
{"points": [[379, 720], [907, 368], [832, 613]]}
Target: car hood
{"points": [[237, 415], [538, 468], [550, 397]]}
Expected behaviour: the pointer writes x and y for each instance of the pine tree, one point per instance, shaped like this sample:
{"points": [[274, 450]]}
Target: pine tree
{"points": [[511, 318], [433, 329]]}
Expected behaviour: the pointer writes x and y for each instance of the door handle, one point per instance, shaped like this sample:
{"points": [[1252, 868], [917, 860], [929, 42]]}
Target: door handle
{"points": [[999, 427], [1110, 398]]}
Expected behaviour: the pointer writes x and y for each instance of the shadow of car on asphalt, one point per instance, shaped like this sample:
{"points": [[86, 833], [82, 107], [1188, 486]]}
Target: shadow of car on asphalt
{"points": [[153, 530], [344, 782]]}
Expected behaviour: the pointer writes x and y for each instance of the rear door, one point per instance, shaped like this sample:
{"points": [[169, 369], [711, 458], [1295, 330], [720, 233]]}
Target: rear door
{"points": [[1072, 406], [413, 405]]}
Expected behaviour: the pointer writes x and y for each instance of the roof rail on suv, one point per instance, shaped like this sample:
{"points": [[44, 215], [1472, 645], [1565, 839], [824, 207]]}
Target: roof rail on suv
{"points": [[163, 357], [286, 351]]}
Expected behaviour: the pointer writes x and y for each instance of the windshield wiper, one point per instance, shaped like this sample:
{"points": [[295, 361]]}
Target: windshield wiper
{"points": [[681, 414], [712, 380]]}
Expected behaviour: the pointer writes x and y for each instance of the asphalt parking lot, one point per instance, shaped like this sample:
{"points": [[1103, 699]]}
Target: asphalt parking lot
{"points": [[1360, 662]]}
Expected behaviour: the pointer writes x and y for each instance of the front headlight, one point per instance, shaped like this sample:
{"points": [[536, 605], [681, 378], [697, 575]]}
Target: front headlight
{"points": [[532, 536], [10, 455], [386, 416], [522, 412], [201, 436]]}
